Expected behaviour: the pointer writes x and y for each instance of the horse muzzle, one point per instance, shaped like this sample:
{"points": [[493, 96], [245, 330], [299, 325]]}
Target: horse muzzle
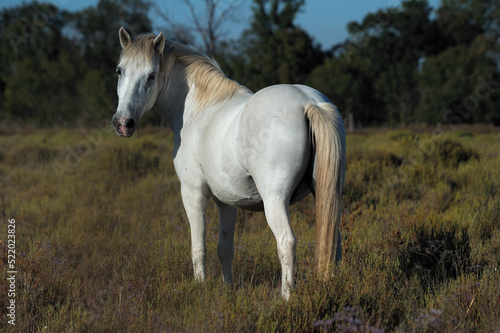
{"points": [[124, 126]]}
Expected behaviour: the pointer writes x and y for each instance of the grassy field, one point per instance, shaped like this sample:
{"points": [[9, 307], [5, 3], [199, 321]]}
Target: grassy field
{"points": [[103, 243]]}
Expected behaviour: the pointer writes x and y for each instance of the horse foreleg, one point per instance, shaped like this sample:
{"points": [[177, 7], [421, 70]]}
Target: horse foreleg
{"points": [[278, 218], [225, 248], [195, 204]]}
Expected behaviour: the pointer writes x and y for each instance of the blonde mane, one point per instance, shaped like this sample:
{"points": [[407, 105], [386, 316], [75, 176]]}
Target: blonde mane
{"points": [[202, 72]]}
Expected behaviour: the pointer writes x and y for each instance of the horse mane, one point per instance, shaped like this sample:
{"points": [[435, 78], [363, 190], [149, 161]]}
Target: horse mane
{"points": [[202, 72]]}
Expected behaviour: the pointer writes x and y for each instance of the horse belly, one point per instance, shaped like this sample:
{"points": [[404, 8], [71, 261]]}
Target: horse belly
{"points": [[240, 192]]}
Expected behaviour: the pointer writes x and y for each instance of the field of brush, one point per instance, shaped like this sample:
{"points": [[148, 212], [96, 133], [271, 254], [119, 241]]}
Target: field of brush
{"points": [[102, 240]]}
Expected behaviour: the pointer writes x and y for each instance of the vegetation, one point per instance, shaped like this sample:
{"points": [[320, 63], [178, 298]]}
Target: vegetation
{"points": [[103, 242], [411, 64]]}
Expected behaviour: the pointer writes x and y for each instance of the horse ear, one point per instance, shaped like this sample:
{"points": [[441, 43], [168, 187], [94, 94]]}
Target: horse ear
{"points": [[159, 43], [125, 39]]}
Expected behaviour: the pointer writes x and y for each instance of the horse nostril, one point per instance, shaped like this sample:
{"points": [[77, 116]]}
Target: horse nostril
{"points": [[129, 124]]}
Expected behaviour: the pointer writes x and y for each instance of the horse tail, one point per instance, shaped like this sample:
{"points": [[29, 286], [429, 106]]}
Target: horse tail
{"points": [[328, 137]]}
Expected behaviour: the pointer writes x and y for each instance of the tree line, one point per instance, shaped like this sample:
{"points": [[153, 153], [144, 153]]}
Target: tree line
{"points": [[410, 64]]}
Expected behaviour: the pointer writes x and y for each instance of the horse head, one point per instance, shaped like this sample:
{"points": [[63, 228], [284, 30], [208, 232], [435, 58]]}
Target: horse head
{"points": [[138, 85]]}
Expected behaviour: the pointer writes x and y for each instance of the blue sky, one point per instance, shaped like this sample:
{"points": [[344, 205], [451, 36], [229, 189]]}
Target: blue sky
{"points": [[325, 20]]}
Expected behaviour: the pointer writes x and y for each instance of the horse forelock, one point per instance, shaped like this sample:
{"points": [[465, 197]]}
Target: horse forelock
{"points": [[141, 49]]}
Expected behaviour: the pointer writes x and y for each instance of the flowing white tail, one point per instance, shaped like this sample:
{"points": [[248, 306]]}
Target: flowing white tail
{"points": [[329, 140]]}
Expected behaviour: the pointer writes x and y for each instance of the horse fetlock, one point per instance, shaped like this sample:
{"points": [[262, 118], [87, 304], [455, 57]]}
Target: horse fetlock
{"points": [[227, 276], [286, 288], [199, 271], [287, 271], [199, 276], [198, 258]]}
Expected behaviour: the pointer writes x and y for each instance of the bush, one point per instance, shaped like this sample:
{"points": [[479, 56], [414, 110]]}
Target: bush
{"points": [[33, 155], [400, 135], [129, 161], [435, 256], [451, 153], [435, 151]]}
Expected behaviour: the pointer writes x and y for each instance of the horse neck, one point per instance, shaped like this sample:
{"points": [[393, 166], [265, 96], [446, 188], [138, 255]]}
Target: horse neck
{"points": [[172, 96], [182, 97]]}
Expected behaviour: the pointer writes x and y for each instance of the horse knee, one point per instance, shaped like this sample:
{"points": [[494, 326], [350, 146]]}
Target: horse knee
{"points": [[291, 244]]}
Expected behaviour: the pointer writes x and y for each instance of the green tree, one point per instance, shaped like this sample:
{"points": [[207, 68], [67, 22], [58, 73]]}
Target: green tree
{"points": [[461, 21], [58, 67], [274, 50], [460, 85], [39, 65], [97, 101], [349, 87], [393, 41], [99, 27]]}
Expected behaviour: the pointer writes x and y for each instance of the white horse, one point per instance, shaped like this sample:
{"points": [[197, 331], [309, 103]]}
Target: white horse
{"points": [[261, 151]]}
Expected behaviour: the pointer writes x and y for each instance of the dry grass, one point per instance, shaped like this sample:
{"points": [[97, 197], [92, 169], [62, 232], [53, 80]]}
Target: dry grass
{"points": [[103, 241]]}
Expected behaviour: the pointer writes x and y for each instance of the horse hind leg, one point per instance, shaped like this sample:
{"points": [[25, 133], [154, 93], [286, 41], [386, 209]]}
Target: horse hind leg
{"points": [[225, 247], [277, 215]]}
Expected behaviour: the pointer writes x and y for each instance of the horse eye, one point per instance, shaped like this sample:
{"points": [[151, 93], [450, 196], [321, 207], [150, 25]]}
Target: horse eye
{"points": [[119, 71], [151, 77]]}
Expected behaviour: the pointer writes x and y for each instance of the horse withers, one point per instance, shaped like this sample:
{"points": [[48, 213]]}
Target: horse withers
{"points": [[261, 151]]}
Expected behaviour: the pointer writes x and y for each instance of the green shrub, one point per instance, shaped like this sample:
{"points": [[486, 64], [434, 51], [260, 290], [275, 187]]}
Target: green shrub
{"points": [[400, 135], [32, 155], [124, 161], [451, 153], [463, 134], [438, 152], [435, 256], [377, 158]]}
